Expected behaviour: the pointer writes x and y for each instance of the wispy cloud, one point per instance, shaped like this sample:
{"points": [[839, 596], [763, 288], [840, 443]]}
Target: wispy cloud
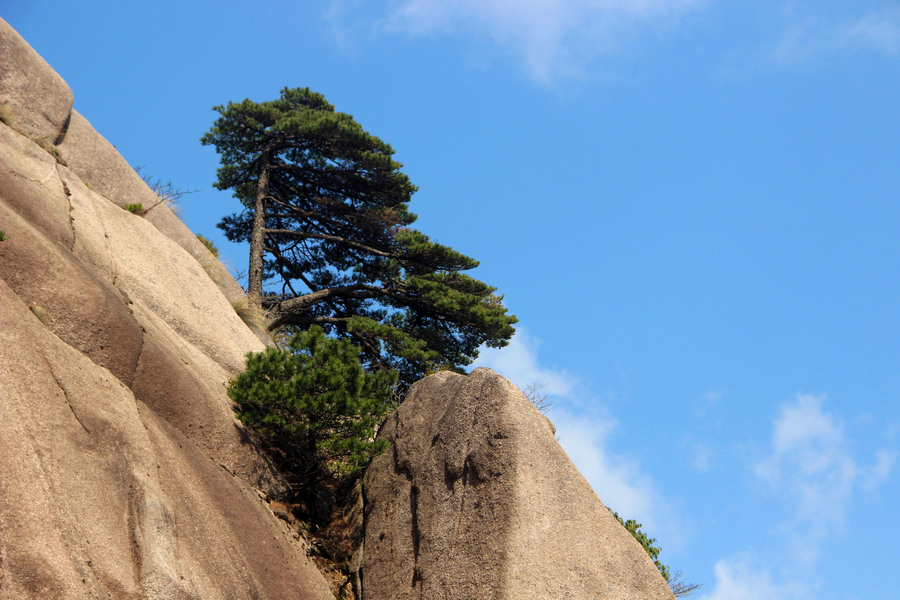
{"points": [[819, 38], [708, 402], [518, 362], [812, 468], [619, 481], [553, 39], [879, 31], [585, 430], [811, 461], [701, 455], [743, 578]]}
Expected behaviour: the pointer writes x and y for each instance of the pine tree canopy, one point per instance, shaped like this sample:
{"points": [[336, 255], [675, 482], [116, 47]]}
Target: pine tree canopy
{"points": [[327, 218]]}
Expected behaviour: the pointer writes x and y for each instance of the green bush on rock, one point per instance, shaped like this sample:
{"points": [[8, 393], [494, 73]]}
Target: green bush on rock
{"points": [[315, 408], [678, 585], [209, 245]]}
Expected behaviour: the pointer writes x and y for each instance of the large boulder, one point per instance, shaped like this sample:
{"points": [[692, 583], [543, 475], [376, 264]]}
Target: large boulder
{"points": [[477, 499]]}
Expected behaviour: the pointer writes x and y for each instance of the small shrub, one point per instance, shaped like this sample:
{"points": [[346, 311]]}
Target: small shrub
{"points": [[316, 409], [167, 193], [3, 236], [540, 401], [251, 314], [47, 144], [209, 245], [679, 587], [54, 152], [634, 528], [6, 115], [41, 314], [137, 208]]}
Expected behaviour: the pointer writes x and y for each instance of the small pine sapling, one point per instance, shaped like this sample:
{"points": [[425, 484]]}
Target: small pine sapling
{"points": [[315, 408]]}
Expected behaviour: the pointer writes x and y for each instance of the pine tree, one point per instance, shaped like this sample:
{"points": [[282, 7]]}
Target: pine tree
{"points": [[327, 218], [314, 407]]}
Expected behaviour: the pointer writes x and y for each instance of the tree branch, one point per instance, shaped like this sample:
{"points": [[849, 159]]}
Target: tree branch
{"points": [[358, 291], [333, 238]]}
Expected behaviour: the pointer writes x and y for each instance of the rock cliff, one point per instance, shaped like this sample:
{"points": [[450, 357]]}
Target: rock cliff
{"points": [[123, 472], [478, 500]]}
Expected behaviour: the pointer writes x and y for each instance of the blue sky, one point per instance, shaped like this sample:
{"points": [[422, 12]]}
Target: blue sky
{"points": [[691, 205]]}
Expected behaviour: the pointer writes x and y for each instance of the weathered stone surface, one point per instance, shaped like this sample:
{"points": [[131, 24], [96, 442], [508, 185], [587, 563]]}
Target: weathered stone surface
{"points": [[168, 223], [123, 472], [31, 185], [77, 307], [101, 498], [37, 101], [478, 500], [187, 390], [98, 164], [157, 273]]}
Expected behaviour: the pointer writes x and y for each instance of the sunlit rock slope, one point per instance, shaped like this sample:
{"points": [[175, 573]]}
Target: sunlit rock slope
{"points": [[123, 472]]}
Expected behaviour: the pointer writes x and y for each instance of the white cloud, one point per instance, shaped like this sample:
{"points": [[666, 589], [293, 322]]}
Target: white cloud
{"points": [[879, 31], [708, 402], [798, 44], [584, 431], [518, 362], [880, 471], [812, 466], [618, 481], [810, 459], [701, 456], [555, 39], [817, 37], [742, 578]]}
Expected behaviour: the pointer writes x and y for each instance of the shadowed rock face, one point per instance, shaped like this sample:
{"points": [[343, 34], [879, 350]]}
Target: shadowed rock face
{"points": [[478, 500], [123, 472]]}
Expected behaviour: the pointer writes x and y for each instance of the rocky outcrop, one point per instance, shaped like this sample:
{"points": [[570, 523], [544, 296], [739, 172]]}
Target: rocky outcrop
{"points": [[123, 472], [38, 102], [478, 500]]}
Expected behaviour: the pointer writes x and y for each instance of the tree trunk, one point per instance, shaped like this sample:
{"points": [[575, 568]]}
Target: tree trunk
{"points": [[258, 232]]}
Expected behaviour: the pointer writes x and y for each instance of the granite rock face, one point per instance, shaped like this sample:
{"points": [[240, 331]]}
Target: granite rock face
{"points": [[123, 472], [478, 500], [36, 99]]}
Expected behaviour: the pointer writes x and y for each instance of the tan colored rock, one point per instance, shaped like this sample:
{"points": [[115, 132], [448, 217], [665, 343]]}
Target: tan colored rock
{"points": [[31, 185], [478, 500], [123, 472], [78, 308], [168, 223], [187, 389], [98, 164], [101, 498], [33, 98], [78, 294], [154, 271]]}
